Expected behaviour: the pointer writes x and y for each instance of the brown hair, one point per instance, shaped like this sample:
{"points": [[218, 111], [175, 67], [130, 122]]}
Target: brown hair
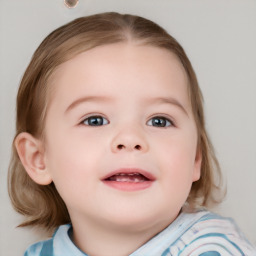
{"points": [[42, 205]]}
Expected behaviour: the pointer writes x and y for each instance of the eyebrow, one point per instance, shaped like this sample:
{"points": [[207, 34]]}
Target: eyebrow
{"points": [[87, 99], [163, 100], [169, 100]]}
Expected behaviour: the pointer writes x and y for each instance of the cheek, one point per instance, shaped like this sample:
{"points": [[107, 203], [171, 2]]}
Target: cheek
{"points": [[177, 179], [178, 150], [74, 158], [65, 161], [70, 175], [177, 160]]}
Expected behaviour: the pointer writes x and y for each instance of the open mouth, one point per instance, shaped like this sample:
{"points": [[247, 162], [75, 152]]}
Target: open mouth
{"points": [[129, 179]]}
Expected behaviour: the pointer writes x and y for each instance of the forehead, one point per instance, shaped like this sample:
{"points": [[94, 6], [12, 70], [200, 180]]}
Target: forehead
{"points": [[125, 66]]}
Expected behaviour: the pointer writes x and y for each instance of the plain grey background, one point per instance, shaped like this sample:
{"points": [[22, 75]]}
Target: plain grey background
{"points": [[220, 39]]}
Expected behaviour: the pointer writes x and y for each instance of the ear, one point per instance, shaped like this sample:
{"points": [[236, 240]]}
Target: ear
{"points": [[31, 153], [197, 165]]}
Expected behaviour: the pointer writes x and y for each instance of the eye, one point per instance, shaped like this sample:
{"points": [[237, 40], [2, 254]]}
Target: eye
{"points": [[160, 121], [95, 121]]}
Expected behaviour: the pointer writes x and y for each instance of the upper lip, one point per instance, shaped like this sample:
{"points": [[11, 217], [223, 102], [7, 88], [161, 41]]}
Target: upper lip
{"points": [[146, 174]]}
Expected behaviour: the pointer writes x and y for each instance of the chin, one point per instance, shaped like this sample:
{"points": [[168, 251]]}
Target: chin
{"points": [[134, 221]]}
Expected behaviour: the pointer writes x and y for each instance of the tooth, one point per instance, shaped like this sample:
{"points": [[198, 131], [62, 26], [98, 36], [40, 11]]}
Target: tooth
{"points": [[122, 179]]}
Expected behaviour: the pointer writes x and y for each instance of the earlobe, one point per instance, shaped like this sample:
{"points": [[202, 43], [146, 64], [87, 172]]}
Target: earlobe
{"points": [[197, 165], [31, 154]]}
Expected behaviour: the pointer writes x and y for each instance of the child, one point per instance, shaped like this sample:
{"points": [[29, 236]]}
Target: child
{"points": [[111, 148]]}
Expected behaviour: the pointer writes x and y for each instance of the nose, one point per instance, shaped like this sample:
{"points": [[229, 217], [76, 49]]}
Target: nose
{"points": [[129, 140]]}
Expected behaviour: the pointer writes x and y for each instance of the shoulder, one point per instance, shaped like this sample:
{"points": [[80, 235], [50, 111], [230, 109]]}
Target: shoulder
{"points": [[59, 245], [41, 248], [47, 247], [211, 234]]}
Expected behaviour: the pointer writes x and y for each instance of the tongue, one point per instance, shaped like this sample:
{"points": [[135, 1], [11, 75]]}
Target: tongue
{"points": [[127, 178]]}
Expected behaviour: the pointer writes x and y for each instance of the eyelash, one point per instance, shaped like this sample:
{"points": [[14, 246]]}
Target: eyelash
{"points": [[95, 117], [164, 123], [98, 120]]}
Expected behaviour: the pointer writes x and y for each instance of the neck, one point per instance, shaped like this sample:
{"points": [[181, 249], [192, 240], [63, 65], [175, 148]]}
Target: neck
{"points": [[97, 240]]}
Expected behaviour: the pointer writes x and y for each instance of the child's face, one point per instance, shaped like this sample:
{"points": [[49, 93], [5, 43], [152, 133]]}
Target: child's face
{"points": [[116, 109]]}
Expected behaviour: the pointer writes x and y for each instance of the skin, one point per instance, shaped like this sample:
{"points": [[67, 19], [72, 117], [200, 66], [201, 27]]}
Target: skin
{"points": [[127, 85]]}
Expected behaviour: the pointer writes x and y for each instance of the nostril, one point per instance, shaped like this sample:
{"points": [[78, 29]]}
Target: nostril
{"points": [[120, 146], [138, 147]]}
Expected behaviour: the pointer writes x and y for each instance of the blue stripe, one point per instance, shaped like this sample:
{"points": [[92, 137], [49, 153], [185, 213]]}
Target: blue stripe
{"points": [[47, 249], [210, 253], [166, 252], [225, 237], [214, 235]]}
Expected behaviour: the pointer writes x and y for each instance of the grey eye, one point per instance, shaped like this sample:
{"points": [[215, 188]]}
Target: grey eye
{"points": [[159, 121], [95, 121]]}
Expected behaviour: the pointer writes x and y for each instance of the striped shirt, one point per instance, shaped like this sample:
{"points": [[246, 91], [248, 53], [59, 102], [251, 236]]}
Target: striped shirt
{"points": [[191, 234]]}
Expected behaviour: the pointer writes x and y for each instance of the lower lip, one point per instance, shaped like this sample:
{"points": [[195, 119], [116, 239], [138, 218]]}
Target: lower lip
{"points": [[128, 186]]}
